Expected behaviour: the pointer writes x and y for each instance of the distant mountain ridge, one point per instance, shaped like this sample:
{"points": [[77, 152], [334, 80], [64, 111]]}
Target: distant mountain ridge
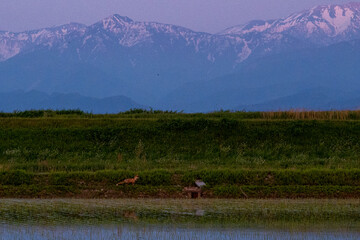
{"points": [[326, 20], [317, 99], [154, 64], [20, 101], [334, 68], [327, 23]]}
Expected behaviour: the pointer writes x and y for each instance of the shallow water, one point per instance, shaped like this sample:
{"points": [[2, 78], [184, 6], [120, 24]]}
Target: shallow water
{"points": [[155, 232], [179, 219]]}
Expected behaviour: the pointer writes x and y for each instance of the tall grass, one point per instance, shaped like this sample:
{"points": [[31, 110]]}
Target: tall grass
{"points": [[312, 115], [294, 114]]}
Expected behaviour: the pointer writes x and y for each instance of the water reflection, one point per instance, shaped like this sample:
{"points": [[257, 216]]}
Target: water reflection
{"points": [[179, 219], [157, 232]]}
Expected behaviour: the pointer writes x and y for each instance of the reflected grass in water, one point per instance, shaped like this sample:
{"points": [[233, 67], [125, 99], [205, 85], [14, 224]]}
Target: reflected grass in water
{"points": [[307, 212], [157, 232], [179, 219]]}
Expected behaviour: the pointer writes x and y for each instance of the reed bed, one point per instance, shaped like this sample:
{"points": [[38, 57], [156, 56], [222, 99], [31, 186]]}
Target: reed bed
{"points": [[293, 114]]}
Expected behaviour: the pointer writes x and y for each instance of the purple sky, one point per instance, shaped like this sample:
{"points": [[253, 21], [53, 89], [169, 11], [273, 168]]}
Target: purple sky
{"points": [[201, 15]]}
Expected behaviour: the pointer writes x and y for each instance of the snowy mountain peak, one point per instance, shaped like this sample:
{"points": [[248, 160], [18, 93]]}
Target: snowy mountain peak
{"points": [[252, 26], [121, 19], [327, 20], [116, 21]]}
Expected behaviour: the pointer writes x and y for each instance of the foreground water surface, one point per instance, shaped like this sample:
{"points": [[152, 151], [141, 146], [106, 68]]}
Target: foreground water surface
{"points": [[154, 232], [179, 219]]}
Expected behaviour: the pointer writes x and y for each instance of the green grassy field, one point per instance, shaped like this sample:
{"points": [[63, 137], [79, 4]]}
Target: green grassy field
{"points": [[272, 154]]}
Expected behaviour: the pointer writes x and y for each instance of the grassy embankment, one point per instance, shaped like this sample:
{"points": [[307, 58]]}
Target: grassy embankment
{"points": [[284, 154]]}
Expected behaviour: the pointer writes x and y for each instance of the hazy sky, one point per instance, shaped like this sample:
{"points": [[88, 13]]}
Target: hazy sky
{"points": [[200, 15]]}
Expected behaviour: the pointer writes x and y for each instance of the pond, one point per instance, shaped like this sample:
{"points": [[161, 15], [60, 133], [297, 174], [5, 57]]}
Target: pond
{"points": [[179, 219]]}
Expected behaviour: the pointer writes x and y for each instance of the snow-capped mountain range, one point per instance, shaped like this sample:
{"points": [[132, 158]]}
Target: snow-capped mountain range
{"points": [[319, 25], [326, 21], [114, 30], [148, 61]]}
